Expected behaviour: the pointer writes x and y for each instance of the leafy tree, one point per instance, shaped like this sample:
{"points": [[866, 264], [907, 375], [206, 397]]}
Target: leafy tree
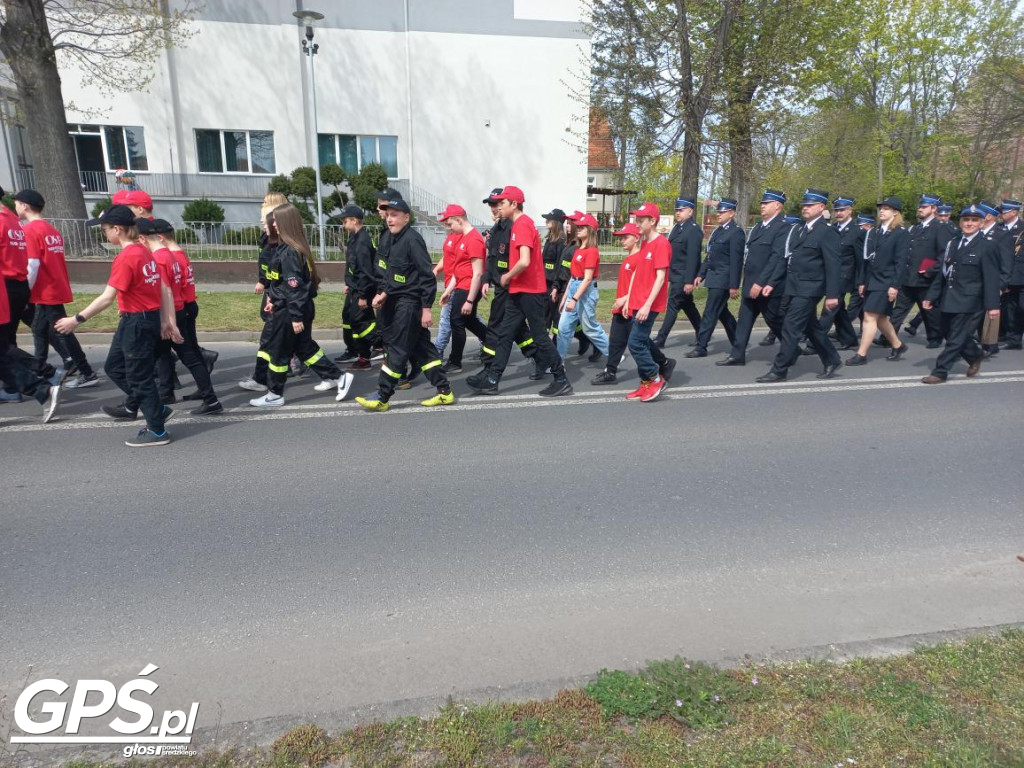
{"points": [[107, 40], [202, 211], [304, 183], [281, 184]]}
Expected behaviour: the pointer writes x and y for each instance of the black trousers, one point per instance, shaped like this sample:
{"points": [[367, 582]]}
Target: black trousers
{"points": [[716, 309], [528, 309], [22, 311], [44, 335], [905, 301], [283, 342], [678, 300], [769, 307], [958, 328], [1015, 315], [460, 323], [357, 325], [130, 363], [802, 319], [840, 317], [190, 353], [19, 377], [499, 301], [407, 341], [261, 371], [618, 340]]}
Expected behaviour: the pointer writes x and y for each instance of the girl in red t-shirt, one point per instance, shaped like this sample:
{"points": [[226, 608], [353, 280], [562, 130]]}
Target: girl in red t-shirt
{"points": [[581, 295]]}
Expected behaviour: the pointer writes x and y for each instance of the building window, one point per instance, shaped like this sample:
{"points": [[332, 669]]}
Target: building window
{"points": [[235, 151], [126, 147], [354, 152], [591, 182]]}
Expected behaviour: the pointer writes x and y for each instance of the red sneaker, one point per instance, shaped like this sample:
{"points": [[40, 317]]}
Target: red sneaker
{"points": [[362, 364], [640, 391], [654, 389]]}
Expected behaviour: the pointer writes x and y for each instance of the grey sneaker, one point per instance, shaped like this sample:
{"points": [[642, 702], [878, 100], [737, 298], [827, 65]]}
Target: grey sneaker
{"points": [[81, 382]]}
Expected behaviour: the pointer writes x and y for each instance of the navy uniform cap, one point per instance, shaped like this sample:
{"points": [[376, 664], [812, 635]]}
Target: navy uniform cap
{"points": [[892, 202], [683, 202], [944, 209], [865, 219], [812, 196], [773, 196], [929, 200], [973, 211], [726, 204], [1007, 205], [843, 202], [792, 219], [987, 208]]}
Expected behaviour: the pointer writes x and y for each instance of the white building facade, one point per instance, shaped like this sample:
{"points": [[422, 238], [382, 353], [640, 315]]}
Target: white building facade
{"points": [[453, 97]]}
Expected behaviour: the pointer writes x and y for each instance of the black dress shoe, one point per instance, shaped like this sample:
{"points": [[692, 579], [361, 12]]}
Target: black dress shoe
{"points": [[731, 361], [697, 353], [807, 351], [881, 341], [910, 330], [692, 344], [830, 370], [770, 378], [767, 341], [857, 359], [933, 345], [851, 345], [659, 343], [192, 396], [896, 352], [1010, 345]]}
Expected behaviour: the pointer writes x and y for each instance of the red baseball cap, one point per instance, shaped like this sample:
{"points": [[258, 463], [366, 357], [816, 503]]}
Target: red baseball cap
{"points": [[575, 216], [586, 220], [647, 209], [515, 194], [451, 210], [133, 197], [629, 229]]}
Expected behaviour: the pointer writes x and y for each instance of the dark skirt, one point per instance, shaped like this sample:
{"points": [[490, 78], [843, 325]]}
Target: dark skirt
{"points": [[877, 302]]}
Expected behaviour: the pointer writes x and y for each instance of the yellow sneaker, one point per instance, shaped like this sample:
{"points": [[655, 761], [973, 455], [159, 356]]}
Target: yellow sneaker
{"points": [[373, 405], [441, 398]]}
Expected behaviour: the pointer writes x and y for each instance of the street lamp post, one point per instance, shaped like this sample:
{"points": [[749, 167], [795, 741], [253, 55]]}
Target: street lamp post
{"points": [[310, 48]]}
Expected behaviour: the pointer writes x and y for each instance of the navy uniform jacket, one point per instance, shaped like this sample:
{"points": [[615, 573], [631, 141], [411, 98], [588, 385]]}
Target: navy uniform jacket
{"points": [[381, 267], [883, 262], [969, 278], [291, 285], [686, 238], [552, 261], [851, 247], [360, 269], [497, 251], [410, 273], [927, 241], [812, 265], [1017, 270], [724, 260], [765, 250], [1003, 241]]}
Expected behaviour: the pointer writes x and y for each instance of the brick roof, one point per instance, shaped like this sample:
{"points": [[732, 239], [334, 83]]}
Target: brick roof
{"points": [[601, 148]]}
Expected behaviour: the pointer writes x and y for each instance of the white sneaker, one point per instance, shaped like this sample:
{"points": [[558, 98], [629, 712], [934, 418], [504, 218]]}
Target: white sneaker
{"points": [[252, 385], [344, 383], [376, 355], [50, 406], [325, 385], [269, 400]]}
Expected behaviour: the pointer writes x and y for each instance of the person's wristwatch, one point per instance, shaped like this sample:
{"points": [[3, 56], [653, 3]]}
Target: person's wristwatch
{"points": [[78, 318]]}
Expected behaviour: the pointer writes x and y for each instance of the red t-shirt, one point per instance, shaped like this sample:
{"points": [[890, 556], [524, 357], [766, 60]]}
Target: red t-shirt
{"points": [[652, 256], [449, 255], [188, 278], [136, 277], [530, 280], [46, 245], [626, 269], [13, 253], [471, 246], [170, 273], [583, 259]]}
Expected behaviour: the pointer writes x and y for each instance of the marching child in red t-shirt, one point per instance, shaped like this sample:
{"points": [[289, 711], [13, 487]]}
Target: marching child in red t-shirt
{"points": [[580, 301]]}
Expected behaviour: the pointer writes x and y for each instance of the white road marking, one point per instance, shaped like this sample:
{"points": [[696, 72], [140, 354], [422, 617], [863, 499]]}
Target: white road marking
{"points": [[503, 402]]}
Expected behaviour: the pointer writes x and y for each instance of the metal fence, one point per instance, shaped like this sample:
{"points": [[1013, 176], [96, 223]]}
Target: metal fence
{"points": [[229, 241], [194, 185]]}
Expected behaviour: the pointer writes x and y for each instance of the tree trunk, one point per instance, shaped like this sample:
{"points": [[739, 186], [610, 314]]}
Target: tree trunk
{"points": [[741, 154], [26, 44]]}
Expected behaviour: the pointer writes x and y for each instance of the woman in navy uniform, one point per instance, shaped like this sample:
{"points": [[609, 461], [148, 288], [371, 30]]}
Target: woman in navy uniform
{"points": [[880, 273], [966, 288]]}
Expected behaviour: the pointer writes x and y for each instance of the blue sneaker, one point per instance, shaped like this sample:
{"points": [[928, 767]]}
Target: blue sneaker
{"points": [[58, 377], [148, 437]]}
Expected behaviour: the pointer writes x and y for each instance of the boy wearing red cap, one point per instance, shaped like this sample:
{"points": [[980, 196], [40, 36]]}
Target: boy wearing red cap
{"points": [[648, 295], [527, 300], [621, 325]]}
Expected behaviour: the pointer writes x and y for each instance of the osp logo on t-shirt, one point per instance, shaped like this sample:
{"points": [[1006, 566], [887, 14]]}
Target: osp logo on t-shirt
{"points": [[648, 255], [628, 267], [150, 274], [580, 257], [53, 240], [448, 244], [16, 234]]}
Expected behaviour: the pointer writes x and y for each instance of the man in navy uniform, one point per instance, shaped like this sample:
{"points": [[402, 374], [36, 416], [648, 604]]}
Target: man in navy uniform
{"points": [[765, 249], [928, 240], [1013, 298], [686, 238], [851, 241], [964, 291], [812, 270], [991, 229], [720, 274]]}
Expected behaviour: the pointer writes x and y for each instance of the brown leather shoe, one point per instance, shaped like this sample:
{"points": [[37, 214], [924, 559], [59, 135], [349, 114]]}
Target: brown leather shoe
{"points": [[932, 380], [974, 367]]}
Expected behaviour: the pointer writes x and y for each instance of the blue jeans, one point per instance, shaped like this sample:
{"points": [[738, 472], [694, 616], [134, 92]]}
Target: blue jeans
{"points": [[640, 347], [444, 329], [585, 312]]}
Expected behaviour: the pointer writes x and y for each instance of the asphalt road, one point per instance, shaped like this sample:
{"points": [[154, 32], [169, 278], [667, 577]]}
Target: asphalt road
{"points": [[320, 563]]}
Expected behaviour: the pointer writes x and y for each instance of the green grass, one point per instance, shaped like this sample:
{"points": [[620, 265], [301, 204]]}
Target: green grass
{"points": [[947, 705], [230, 311]]}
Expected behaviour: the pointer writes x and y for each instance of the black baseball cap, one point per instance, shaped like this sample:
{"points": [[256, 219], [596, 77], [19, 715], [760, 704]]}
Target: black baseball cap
{"points": [[389, 193], [30, 197], [397, 205], [352, 211], [115, 215], [154, 227], [556, 213], [492, 198]]}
